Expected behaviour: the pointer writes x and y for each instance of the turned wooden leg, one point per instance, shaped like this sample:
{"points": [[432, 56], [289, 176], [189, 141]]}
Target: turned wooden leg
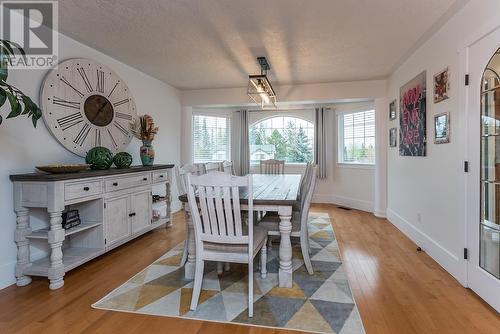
{"points": [[23, 246], [190, 267], [55, 239], [285, 250], [263, 261]]}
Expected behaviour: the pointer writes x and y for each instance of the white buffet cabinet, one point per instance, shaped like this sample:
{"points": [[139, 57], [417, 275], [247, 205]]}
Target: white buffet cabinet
{"points": [[114, 205]]}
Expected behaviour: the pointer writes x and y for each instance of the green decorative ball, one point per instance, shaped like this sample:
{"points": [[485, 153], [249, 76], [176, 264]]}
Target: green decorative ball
{"points": [[99, 157], [122, 160]]}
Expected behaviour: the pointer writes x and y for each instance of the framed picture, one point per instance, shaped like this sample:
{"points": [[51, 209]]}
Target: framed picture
{"points": [[393, 133], [441, 86], [412, 117], [392, 110], [442, 128]]}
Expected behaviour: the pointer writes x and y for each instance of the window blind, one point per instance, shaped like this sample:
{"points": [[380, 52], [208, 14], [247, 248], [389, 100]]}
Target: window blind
{"points": [[211, 138], [358, 137]]}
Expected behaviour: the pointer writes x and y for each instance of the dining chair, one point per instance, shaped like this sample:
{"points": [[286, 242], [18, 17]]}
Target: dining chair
{"points": [[227, 167], [272, 166], [211, 167], [299, 218], [181, 174], [219, 230]]}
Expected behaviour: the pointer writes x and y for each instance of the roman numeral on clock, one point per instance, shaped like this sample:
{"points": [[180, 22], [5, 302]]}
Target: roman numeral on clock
{"points": [[65, 103], [97, 137], [63, 79], [82, 135], [114, 87], [69, 121], [112, 139], [100, 81], [119, 103], [123, 116], [85, 79], [121, 128]]}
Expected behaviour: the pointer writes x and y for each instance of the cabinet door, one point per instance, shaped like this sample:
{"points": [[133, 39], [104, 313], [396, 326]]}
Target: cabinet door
{"points": [[117, 219], [141, 210]]}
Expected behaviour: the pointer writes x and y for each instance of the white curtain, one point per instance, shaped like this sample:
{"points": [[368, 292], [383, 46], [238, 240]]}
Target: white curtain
{"points": [[320, 140], [244, 143]]}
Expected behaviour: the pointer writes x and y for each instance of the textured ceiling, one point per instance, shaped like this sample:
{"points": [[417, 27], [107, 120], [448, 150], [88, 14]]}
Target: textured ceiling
{"points": [[193, 44]]}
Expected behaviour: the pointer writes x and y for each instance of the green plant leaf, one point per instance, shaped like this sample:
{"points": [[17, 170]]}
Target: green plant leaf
{"points": [[3, 97], [3, 73], [6, 44], [13, 45], [15, 107]]}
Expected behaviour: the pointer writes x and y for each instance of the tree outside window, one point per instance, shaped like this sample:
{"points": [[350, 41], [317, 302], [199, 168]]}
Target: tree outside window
{"points": [[282, 137]]}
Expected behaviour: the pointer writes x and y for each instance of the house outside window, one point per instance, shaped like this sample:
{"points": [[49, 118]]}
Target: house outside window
{"points": [[282, 137]]}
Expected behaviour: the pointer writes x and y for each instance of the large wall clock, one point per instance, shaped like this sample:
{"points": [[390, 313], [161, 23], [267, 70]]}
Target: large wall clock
{"points": [[85, 104]]}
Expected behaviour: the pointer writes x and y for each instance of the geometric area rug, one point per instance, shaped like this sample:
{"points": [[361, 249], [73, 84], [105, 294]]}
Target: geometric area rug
{"points": [[321, 303]]}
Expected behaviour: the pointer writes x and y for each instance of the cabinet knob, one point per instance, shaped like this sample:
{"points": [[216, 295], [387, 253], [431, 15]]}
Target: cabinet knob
{"points": [[86, 188], [115, 184], [145, 179], [131, 214], [161, 176]]}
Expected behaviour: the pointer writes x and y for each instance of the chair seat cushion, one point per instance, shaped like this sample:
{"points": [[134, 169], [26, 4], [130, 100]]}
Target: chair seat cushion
{"points": [[271, 222], [259, 238]]}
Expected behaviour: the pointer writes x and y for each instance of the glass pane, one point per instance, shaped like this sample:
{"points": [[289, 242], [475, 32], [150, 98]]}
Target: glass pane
{"points": [[490, 250], [489, 243]]}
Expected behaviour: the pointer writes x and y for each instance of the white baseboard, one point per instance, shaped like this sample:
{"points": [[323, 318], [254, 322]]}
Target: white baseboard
{"points": [[450, 262], [7, 274], [352, 203]]}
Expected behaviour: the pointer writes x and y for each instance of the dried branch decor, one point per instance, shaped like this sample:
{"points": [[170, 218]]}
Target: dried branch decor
{"points": [[144, 128]]}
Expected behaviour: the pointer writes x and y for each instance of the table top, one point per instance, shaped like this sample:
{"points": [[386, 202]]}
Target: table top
{"points": [[46, 177], [270, 190]]}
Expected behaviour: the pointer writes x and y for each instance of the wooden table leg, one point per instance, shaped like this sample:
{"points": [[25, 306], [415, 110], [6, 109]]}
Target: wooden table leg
{"points": [[285, 251], [56, 238], [23, 245], [190, 266]]}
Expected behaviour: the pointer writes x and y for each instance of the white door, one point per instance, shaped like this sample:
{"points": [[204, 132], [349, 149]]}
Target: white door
{"points": [[483, 180], [141, 210], [117, 219]]}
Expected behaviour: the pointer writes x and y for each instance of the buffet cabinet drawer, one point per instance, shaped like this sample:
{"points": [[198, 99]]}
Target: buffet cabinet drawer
{"points": [[138, 180], [82, 189], [160, 176]]}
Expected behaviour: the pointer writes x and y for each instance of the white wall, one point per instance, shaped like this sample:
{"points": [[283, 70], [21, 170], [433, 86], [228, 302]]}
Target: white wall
{"points": [[22, 147], [426, 195]]}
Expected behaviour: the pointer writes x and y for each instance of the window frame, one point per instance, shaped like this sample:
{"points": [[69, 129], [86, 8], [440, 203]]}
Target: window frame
{"points": [[229, 134], [292, 164], [340, 141]]}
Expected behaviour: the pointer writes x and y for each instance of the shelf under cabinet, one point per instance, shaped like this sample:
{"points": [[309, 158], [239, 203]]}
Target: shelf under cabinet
{"points": [[43, 233], [72, 257]]}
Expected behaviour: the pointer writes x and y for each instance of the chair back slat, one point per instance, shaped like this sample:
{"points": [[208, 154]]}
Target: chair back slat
{"points": [[218, 197], [228, 209], [272, 166], [306, 200]]}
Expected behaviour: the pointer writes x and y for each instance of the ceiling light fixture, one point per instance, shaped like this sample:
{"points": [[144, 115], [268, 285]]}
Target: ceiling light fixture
{"points": [[259, 88]]}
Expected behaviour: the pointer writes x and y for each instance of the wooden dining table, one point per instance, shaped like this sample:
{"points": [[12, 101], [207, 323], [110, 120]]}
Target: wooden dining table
{"points": [[271, 193]]}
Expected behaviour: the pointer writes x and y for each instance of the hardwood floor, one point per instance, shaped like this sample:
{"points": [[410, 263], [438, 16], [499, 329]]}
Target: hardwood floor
{"points": [[397, 289]]}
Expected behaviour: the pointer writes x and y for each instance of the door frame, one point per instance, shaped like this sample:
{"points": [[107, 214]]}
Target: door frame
{"points": [[473, 62]]}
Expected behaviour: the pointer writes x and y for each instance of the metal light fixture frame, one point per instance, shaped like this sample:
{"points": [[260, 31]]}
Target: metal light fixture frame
{"points": [[259, 87]]}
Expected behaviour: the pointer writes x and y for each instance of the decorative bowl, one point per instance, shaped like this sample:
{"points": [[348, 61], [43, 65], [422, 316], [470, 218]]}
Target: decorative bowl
{"points": [[99, 157], [63, 168], [122, 160]]}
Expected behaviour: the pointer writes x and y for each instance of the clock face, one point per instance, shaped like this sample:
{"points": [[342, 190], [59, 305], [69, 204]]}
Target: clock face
{"points": [[85, 104]]}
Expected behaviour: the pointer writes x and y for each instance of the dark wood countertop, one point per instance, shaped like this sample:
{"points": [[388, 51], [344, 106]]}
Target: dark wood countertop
{"points": [[46, 177]]}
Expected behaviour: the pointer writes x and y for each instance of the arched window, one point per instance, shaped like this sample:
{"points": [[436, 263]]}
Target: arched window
{"points": [[282, 137]]}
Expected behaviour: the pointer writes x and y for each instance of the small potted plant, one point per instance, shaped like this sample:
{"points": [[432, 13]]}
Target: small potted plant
{"points": [[145, 130]]}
